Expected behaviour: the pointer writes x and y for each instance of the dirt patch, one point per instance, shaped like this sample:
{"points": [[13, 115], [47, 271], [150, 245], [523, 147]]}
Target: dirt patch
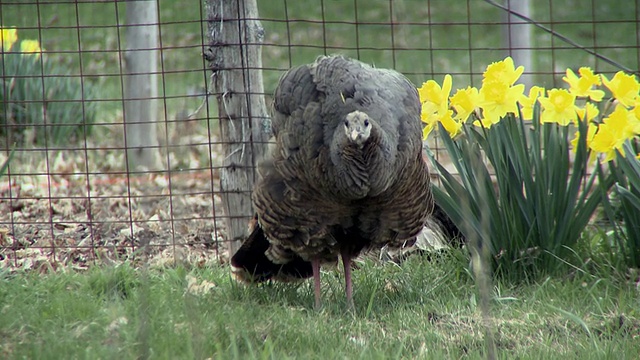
{"points": [[74, 210]]}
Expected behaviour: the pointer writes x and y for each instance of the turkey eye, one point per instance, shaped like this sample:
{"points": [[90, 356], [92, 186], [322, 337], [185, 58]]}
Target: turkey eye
{"points": [[366, 123]]}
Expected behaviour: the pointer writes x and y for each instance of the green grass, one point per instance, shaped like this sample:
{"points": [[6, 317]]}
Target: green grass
{"points": [[422, 309]]}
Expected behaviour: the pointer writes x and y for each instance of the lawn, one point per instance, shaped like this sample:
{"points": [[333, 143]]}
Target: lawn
{"points": [[425, 308]]}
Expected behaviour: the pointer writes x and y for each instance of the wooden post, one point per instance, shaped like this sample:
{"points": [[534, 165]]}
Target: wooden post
{"points": [[234, 55], [141, 84]]}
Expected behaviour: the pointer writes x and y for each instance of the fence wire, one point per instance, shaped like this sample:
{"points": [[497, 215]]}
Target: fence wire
{"points": [[73, 196]]}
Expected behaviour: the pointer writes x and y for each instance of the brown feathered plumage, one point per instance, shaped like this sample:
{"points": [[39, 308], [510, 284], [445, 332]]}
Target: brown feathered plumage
{"points": [[346, 174]]}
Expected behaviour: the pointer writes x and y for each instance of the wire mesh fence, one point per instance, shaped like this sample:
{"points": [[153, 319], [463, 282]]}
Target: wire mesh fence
{"points": [[77, 191]]}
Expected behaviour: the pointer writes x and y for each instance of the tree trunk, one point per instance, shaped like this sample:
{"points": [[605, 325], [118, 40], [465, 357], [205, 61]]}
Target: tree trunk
{"points": [[141, 85], [235, 38]]}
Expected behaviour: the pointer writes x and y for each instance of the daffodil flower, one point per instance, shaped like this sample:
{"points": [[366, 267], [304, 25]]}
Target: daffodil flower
{"points": [[30, 47], [559, 107], [623, 87], [502, 71], [429, 116], [465, 101], [582, 86], [605, 142], [483, 122], [497, 99], [435, 103], [613, 132], [623, 121], [589, 110], [634, 117], [431, 91], [528, 102], [7, 38], [427, 129], [452, 126]]}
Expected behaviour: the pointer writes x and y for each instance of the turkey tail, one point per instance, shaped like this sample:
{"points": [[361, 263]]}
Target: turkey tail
{"points": [[250, 264]]}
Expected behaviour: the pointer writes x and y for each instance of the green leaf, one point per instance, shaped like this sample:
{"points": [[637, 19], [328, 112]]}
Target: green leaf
{"points": [[629, 196]]}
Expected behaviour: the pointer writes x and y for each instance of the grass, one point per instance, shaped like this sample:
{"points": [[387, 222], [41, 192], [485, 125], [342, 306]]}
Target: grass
{"points": [[422, 309]]}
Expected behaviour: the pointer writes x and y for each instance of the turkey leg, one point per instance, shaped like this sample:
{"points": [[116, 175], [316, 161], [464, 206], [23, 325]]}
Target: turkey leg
{"points": [[346, 262]]}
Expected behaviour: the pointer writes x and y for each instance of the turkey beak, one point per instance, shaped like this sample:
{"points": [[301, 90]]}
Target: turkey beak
{"points": [[354, 135]]}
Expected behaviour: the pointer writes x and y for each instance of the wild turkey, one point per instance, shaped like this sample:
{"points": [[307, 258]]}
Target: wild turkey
{"points": [[346, 174]]}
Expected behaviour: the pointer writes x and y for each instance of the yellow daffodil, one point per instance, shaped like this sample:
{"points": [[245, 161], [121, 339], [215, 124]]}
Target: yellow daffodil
{"points": [[529, 101], [497, 99], [590, 110], [503, 71], [465, 102], [429, 116], [633, 116], [604, 142], [591, 132], [427, 129], [582, 86], [452, 126], [624, 121], [7, 38], [30, 47], [623, 87], [559, 107], [613, 132], [435, 103], [431, 91], [484, 122]]}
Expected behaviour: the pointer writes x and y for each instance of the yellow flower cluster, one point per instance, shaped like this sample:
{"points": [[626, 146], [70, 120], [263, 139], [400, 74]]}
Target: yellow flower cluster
{"points": [[8, 37], [500, 95]]}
